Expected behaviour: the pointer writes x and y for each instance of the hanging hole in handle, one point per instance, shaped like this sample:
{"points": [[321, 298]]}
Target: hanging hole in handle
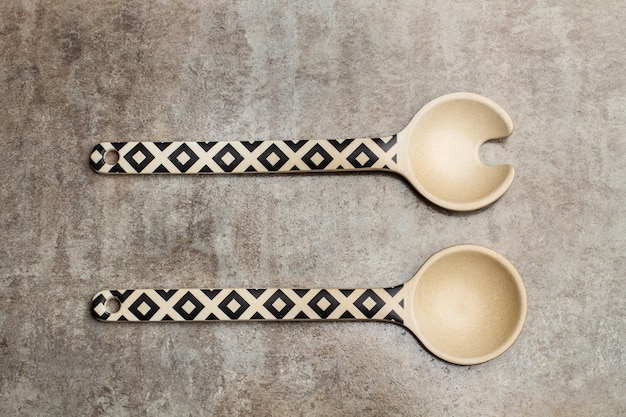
{"points": [[112, 305], [111, 157]]}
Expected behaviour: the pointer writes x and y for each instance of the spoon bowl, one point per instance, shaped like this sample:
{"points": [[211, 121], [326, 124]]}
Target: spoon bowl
{"points": [[444, 140], [437, 152], [467, 304]]}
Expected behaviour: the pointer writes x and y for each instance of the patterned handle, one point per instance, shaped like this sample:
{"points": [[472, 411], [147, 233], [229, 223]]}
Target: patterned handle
{"points": [[241, 157], [251, 304]]}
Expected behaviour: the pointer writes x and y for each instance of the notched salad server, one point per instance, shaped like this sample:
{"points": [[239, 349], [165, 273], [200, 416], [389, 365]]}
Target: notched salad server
{"points": [[437, 153]]}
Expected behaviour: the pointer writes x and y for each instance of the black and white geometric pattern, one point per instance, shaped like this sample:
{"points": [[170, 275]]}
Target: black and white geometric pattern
{"points": [[240, 157], [385, 304]]}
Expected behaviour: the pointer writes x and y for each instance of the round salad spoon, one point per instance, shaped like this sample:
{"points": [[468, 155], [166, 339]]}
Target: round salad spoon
{"points": [[466, 304]]}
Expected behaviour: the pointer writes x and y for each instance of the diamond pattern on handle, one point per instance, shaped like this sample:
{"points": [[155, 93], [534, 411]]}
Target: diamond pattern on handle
{"points": [[139, 157], [252, 304], [362, 157], [228, 158], [278, 305], [144, 308], [250, 156], [183, 158], [188, 306], [323, 304], [233, 305], [317, 157], [273, 159], [369, 303]]}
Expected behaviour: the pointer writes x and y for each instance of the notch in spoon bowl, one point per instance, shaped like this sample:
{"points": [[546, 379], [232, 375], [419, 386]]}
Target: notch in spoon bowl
{"points": [[466, 304], [437, 152]]}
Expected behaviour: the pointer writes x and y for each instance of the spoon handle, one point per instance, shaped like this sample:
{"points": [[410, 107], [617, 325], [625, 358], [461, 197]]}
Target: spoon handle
{"points": [[241, 156], [229, 304]]}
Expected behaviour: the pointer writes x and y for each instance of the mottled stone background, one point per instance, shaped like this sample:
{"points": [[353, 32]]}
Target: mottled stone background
{"points": [[75, 73]]}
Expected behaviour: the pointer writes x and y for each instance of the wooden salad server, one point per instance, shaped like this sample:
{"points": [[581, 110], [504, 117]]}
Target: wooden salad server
{"points": [[466, 304], [437, 153]]}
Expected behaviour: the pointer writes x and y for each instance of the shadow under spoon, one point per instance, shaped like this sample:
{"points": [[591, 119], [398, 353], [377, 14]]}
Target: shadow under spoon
{"points": [[466, 304], [437, 153]]}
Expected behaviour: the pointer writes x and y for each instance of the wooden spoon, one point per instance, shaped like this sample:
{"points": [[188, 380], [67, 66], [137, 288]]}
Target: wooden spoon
{"points": [[467, 304], [437, 152]]}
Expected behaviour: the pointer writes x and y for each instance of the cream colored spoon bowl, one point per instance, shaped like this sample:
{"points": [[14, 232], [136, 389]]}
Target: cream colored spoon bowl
{"points": [[443, 142], [437, 152], [467, 304]]}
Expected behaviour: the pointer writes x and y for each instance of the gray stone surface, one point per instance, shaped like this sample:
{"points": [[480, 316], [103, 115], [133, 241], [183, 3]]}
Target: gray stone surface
{"points": [[75, 73]]}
